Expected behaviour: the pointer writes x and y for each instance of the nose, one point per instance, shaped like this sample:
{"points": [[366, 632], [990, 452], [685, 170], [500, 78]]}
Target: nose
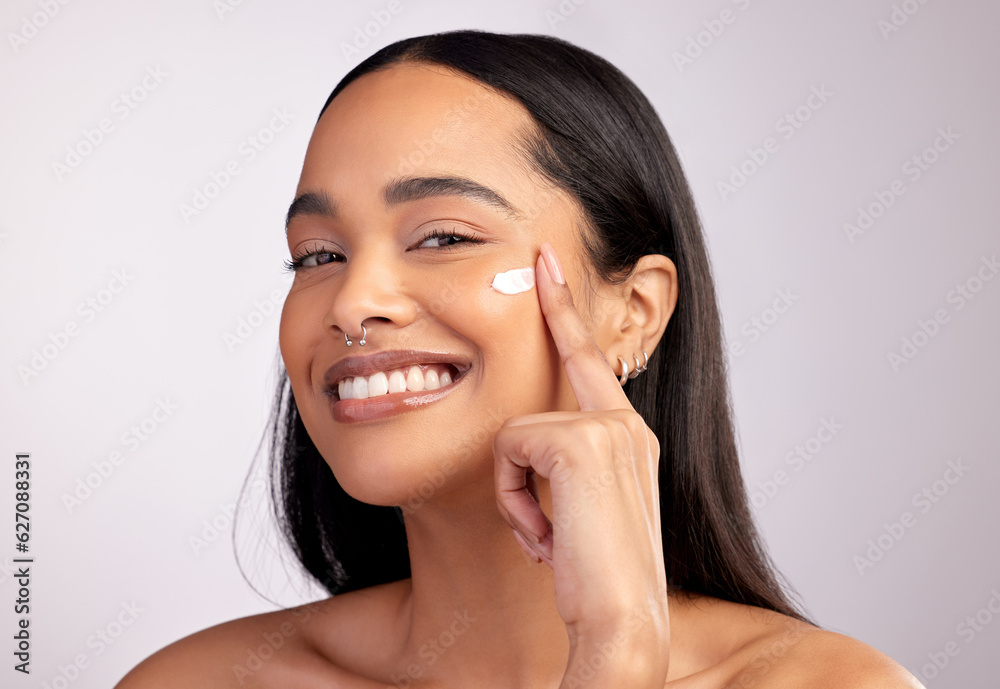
{"points": [[370, 290]]}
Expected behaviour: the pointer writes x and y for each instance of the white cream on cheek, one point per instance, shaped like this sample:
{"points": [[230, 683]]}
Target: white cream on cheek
{"points": [[514, 281]]}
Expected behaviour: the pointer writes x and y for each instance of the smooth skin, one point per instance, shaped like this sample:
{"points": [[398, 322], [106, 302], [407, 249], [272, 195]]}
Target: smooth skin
{"points": [[536, 561]]}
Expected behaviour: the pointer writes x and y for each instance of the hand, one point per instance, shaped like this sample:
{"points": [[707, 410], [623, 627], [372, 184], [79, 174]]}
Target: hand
{"points": [[603, 542]]}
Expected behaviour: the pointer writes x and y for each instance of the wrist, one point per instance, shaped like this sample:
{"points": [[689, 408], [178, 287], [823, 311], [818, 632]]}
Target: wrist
{"points": [[610, 666], [635, 655]]}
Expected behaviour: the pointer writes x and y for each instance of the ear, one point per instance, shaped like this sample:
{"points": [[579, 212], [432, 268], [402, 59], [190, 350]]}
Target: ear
{"points": [[650, 296]]}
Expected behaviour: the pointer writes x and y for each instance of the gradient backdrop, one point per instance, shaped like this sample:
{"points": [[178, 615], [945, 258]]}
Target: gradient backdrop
{"points": [[842, 156]]}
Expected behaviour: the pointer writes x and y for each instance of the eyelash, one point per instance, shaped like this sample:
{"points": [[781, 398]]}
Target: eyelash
{"points": [[297, 262]]}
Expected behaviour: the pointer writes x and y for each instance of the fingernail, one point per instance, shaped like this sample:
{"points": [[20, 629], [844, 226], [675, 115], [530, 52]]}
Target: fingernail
{"points": [[552, 263], [524, 545]]}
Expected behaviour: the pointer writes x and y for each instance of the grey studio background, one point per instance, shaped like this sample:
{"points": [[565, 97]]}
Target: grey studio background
{"points": [[842, 156]]}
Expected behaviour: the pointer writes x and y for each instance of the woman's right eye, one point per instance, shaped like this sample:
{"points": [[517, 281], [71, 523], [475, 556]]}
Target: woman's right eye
{"points": [[311, 259]]}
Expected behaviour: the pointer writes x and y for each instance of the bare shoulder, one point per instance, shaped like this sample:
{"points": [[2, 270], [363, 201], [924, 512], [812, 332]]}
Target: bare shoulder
{"points": [[818, 658], [240, 653], [742, 646], [295, 647]]}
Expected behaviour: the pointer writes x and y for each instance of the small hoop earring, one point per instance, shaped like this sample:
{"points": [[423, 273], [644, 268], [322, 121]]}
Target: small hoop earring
{"points": [[639, 368], [624, 376]]}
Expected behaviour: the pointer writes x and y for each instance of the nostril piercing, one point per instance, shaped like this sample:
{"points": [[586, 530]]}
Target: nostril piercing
{"points": [[364, 334]]}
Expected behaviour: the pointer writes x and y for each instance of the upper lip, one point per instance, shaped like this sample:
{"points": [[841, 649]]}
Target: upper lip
{"points": [[366, 365]]}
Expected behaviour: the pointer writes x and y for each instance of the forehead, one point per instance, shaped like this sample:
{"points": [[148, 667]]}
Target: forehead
{"points": [[417, 119]]}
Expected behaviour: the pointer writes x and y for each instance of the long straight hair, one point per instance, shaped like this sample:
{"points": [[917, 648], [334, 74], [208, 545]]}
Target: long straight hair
{"points": [[598, 138]]}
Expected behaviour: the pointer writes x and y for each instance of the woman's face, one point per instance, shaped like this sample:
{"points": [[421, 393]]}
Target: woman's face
{"points": [[413, 260]]}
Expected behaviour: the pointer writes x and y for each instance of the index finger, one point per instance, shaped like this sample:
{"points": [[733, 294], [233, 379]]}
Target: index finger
{"points": [[590, 375]]}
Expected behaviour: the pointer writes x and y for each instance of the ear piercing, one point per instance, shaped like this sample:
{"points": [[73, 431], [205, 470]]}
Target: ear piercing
{"points": [[639, 368], [364, 334]]}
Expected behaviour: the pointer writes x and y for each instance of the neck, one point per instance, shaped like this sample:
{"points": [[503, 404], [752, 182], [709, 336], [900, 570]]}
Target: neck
{"points": [[472, 588]]}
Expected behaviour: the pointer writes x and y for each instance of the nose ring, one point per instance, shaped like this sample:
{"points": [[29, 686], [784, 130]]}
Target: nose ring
{"points": [[364, 334]]}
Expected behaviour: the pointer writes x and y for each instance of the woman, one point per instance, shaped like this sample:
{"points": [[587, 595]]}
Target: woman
{"points": [[507, 484]]}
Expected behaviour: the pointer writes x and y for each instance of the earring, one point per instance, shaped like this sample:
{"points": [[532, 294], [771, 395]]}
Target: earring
{"points": [[639, 368], [624, 376]]}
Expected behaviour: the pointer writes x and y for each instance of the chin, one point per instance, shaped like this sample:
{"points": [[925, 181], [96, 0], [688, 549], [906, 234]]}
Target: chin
{"points": [[384, 480]]}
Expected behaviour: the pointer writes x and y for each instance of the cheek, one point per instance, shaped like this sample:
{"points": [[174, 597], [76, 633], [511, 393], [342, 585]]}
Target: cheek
{"points": [[520, 359], [516, 371], [297, 336]]}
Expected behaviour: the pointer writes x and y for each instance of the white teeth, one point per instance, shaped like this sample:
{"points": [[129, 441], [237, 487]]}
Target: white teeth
{"points": [[415, 379], [359, 388], [431, 381], [378, 384], [397, 382], [412, 379]]}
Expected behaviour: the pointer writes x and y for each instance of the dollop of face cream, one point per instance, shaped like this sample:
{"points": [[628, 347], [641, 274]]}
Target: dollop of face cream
{"points": [[514, 281]]}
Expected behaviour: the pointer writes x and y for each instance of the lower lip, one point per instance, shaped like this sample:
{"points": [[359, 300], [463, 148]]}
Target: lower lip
{"points": [[383, 406]]}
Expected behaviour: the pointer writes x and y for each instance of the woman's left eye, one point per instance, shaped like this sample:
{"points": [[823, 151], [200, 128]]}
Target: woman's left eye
{"points": [[441, 238]]}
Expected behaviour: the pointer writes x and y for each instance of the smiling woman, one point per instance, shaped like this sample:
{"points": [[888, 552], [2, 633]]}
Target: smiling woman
{"points": [[532, 488]]}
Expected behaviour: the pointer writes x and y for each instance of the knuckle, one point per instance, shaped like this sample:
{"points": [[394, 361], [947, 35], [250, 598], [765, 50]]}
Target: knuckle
{"points": [[594, 432], [635, 424], [628, 422], [654, 444]]}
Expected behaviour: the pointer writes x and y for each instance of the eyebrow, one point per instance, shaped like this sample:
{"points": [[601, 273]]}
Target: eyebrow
{"points": [[404, 190]]}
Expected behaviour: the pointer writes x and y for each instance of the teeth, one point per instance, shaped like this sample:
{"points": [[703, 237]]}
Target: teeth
{"points": [[415, 379], [412, 379], [359, 390], [431, 381], [378, 384], [397, 382]]}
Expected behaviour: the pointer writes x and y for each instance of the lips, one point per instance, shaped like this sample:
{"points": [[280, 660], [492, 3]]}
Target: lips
{"points": [[352, 376], [412, 378], [369, 364]]}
